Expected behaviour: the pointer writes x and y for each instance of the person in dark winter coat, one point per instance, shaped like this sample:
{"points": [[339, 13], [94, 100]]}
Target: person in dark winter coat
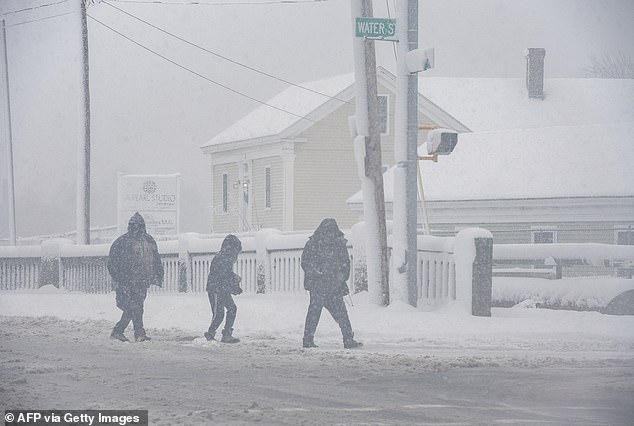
{"points": [[326, 266], [134, 264], [222, 283]]}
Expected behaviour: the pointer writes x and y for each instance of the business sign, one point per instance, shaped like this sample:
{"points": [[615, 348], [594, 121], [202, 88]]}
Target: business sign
{"points": [[375, 27], [155, 197]]}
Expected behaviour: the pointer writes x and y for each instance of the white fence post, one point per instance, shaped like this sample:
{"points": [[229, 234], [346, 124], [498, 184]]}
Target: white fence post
{"points": [[184, 262], [51, 272], [263, 256]]}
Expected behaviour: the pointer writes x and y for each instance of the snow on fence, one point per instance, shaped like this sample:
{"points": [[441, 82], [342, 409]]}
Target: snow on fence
{"points": [[270, 262], [548, 260]]}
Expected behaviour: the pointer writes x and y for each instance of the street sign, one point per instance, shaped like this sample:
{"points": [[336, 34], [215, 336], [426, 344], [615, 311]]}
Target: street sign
{"points": [[420, 59], [375, 27]]}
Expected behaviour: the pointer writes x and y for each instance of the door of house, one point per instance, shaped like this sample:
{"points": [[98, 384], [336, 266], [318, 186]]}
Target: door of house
{"points": [[245, 200]]}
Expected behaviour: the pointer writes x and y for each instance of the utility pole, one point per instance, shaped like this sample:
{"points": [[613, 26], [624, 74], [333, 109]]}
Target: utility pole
{"points": [[83, 157], [9, 141], [404, 252], [368, 153]]}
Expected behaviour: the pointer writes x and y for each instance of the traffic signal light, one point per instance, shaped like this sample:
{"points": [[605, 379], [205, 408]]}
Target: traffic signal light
{"points": [[441, 141]]}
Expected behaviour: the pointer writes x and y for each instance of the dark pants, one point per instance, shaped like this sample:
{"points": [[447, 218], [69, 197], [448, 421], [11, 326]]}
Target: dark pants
{"points": [[337, 308], [219, 302], [130, 298]]}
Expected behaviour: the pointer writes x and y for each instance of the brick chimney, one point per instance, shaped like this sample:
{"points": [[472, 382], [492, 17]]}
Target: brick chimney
{"points": [[535, 72]]}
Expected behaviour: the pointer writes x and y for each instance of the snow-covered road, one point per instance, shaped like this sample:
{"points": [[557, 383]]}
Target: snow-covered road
{"points": [[521, 365], [50, 363]]}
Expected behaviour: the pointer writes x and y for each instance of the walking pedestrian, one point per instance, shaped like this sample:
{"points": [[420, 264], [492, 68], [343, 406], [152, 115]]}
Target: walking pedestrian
{"points": [[222, 283], [134, 264], [326, 265]]}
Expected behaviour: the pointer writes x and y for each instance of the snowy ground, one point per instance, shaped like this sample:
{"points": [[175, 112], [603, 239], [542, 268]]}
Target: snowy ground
{"points": [[522, 365]]}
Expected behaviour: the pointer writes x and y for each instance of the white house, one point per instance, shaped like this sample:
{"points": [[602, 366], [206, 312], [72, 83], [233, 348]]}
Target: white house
{"points": [[554, 184], [554, 168], [290, 163]]}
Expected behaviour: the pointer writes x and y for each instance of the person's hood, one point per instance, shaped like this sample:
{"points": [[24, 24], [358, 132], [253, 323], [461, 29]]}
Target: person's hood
{"points": [[136, 219], [231, 244], [328, 228]]}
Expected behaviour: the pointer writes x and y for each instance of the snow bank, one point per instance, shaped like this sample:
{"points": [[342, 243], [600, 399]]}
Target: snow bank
{"points": [[398, 328], [574, 293]]}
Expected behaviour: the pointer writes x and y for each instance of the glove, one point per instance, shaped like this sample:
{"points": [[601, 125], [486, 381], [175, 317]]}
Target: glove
{"points": [[236, 290]]}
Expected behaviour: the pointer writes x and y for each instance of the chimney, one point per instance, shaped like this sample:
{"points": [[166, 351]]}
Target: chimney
{"points": [[535, 72]]}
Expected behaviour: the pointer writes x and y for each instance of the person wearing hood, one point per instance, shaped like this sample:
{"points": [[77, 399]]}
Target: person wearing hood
{"points": [[134, 264], [222, 283], [326, 265]]}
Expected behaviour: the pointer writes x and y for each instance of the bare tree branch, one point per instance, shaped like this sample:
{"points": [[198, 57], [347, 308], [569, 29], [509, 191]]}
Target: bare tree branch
{"points": [[608, 66]]}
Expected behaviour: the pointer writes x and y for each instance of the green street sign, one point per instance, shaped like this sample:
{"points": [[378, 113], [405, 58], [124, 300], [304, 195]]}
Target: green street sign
{"points": [[375, 27]]}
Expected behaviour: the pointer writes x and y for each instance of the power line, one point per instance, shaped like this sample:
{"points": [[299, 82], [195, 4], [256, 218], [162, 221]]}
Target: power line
{"points": [[198, 74], [222, 56], [40, 19], [220, 3], [34, 7]]}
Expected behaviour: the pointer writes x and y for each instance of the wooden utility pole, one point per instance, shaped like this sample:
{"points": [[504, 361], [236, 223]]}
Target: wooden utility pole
{"points": [[368, 144], [9, 141], [83, 157]]}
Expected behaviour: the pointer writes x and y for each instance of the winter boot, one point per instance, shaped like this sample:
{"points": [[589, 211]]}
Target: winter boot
{"points": [[350, 343], [118, 336], [227, 337], [309, 342], [142, 338], [210, 336]]}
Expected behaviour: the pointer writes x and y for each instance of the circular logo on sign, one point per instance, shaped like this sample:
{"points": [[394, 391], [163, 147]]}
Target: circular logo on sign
{"points": [[149, 187]]}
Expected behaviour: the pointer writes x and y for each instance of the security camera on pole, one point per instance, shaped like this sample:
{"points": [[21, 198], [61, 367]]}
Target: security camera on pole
{"points": [[410, 60]]}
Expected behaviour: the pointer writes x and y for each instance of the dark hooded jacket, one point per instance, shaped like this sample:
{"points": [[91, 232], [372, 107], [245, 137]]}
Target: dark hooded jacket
{"points": [[134, 256], [221, 278], [325, 260]]}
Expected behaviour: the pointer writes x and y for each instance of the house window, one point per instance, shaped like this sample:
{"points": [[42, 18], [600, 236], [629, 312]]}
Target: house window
{"points": [[267, 187], [625, 237], [544, 237], [384, 114], [225, 193]]}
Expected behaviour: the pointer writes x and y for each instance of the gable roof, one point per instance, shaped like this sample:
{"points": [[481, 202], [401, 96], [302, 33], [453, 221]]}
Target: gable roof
{"points": [[487, 104], [464, 104], [292, 108]]}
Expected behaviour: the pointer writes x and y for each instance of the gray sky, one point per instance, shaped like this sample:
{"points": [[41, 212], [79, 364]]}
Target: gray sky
{"points": [[151, 116]]}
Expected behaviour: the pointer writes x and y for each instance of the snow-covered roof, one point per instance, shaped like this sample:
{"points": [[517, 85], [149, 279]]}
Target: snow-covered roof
{"points": [[480, 104], [491, 104], [564, 161], [285, 110]]}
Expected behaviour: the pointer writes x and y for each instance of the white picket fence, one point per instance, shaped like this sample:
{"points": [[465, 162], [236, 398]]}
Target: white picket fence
{"points": [[436, 276], [270, 262]]}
